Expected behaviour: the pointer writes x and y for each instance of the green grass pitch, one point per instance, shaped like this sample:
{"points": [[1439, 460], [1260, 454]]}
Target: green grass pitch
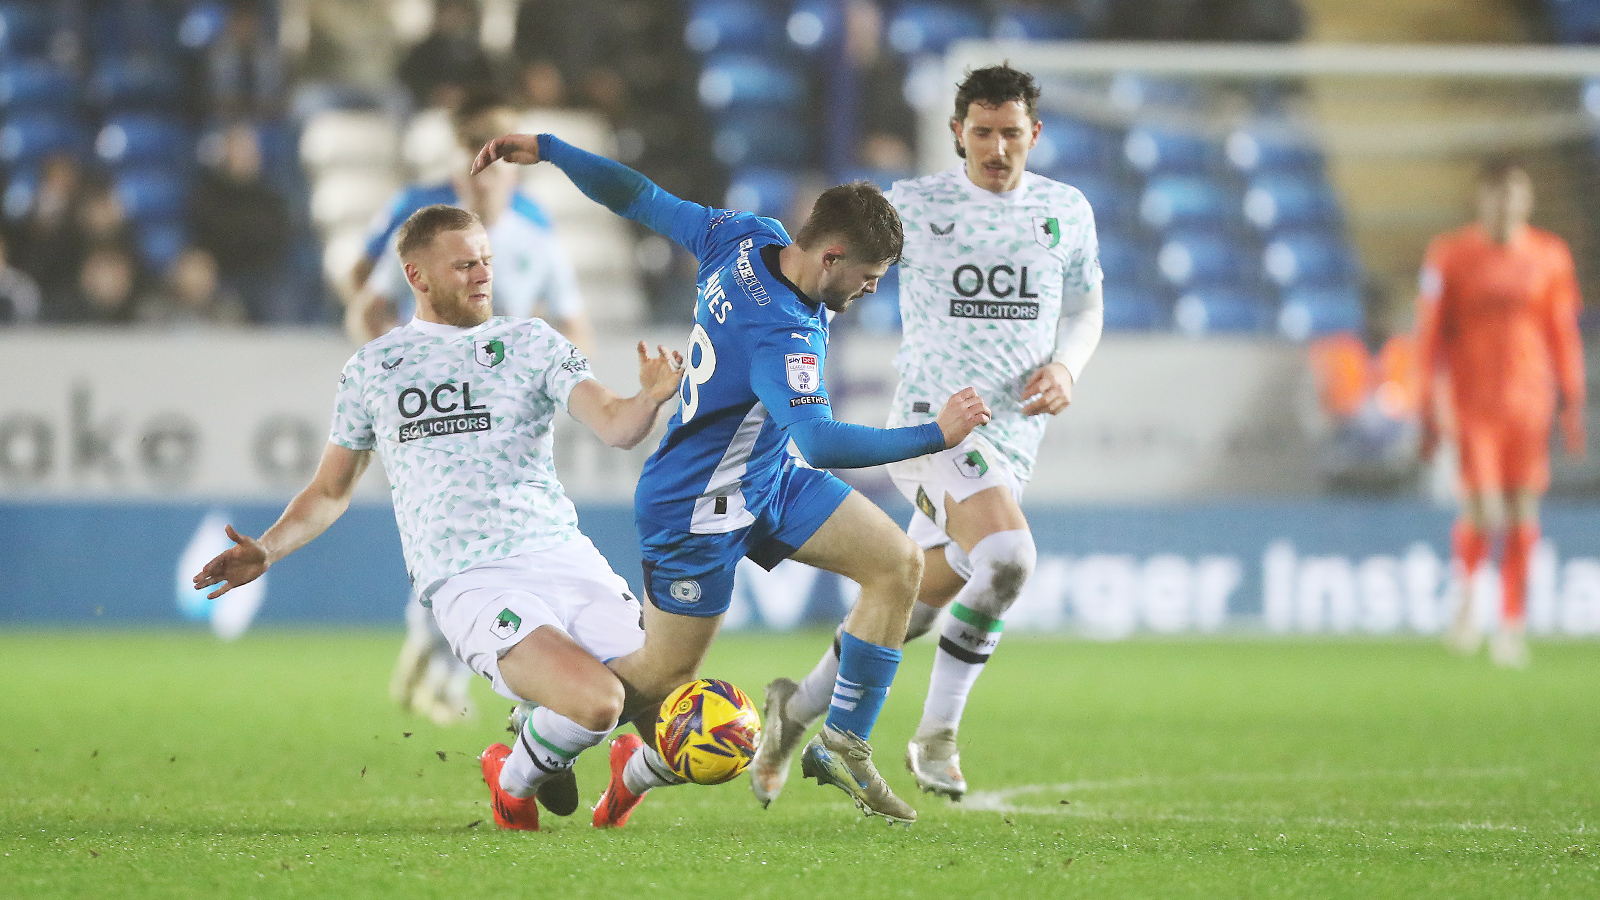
{"points": [[153, 764]]}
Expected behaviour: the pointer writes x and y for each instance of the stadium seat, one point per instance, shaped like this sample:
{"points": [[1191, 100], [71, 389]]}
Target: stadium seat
{"points": [[1309, 258], [879, 312], [1154, 150], [1132, 306], [1575, 21], [918, 27], [1191, 258], [761, 139], [138, 81], [1133, 92], [1283, 200], [151, 194], [202, 24], [743, 80], [1071, 145], [747, 26], [1222, 311], [1112, 202], [1124, 258], [37, 84], [1187, 201], [115, 29], [337, 137], [815, 25], [25, 29], [1272, 147], [351, 197], [28, 137], [1038, 23], [1315, 312], [160, 242], [765, 192], [145, 140]]}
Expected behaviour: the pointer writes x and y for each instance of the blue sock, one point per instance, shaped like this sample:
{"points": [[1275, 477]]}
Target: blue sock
{"points": [[865, 673]]}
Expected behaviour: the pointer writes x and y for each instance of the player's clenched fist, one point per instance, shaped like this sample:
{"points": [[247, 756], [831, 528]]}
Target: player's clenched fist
{"points": [[522, 149], [659, 375], [964, 411]]}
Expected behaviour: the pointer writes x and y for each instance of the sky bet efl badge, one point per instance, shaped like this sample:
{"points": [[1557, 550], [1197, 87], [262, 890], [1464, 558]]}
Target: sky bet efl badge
{"points": [[1047, 231], [489, 353], [803, 372]]}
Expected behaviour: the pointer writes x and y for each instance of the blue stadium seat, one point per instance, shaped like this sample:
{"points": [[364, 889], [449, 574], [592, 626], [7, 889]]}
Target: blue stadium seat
{"points": [[1113, 204], [115, 29], [1222, 311], [28, 137], [202, 24], [1575, 21], [142, 139], [25, 29], [1187, 201], [160, 243], [1272, 147], [816, 25], [747, 26], [1286, 200], [1302, 258], [742, 80], [1124, 258], [142, 81], [1069, 145], [37, 83], [1038, 23], [18, 198], [1190, 258], [151, 194], [879, 312], [1130, 91], [919, 27], [1154, 150], [761, 139], [765, 192], [1314, 312], [1132, 306]]}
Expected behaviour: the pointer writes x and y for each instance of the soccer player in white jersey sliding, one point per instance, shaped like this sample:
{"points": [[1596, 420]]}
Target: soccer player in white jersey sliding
{"points": [[458, 406], [1000, 290]]}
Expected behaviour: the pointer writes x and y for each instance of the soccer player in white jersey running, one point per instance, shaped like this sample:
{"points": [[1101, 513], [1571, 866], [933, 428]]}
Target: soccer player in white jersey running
{"points": [[999, 289], [458, 406]]}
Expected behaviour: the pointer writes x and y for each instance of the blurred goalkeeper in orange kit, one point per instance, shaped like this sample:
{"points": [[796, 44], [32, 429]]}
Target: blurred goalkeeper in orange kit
{"points": [[1498, 336]]}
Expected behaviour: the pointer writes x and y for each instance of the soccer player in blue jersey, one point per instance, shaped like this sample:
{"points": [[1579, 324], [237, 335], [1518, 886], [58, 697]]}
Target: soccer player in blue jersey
{"points": [[722, 485]]}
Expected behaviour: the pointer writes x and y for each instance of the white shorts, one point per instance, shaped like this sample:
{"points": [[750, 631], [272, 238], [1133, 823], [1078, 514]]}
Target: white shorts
{"points": [[969, 467], [485, 610]]}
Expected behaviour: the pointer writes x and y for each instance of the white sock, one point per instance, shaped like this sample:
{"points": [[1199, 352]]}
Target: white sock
{"points": [[811, 700], [645, 770], [546, 746], [1001, 564]]}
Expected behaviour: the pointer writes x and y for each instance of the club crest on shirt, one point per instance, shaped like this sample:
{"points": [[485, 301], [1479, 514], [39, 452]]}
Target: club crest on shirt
{"points": [[489, 353], [1047, 231], [972, 464], [803, 371], [506, 624]]}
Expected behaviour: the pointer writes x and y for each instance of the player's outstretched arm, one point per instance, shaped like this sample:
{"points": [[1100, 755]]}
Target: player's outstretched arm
{"points": [[830, 444], [624, 422], [607, 182], [307, 515]]}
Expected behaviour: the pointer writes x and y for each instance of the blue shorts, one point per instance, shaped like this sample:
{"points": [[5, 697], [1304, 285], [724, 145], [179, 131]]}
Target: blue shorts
{"points": [[692, 574]]}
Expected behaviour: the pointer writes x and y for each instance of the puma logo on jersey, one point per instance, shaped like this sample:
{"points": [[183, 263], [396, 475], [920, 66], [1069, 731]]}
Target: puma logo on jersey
{"points": [[803, 337], [390, 365]]}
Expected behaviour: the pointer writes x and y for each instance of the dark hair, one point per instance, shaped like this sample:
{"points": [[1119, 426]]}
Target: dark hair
{"points": [[861, 216], [995, 86], [427, 223], [477, 103], [1499, 169]]}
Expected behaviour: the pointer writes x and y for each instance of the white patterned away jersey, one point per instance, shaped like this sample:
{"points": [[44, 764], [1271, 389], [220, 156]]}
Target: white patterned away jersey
{"points": [[461, 420], [984, 282]]}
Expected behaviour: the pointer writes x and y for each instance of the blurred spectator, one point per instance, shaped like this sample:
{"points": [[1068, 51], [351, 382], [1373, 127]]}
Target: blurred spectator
{"points": [[102, 219], [192, 295], [108, 288], [450, 63], [19, 294], [46, 237], [243, 222], [244, 67]]}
